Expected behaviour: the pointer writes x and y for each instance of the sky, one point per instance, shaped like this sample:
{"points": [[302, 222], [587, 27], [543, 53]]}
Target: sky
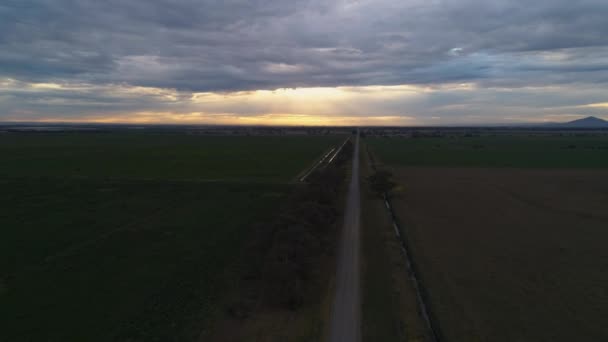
{"points": [[303, 62]]}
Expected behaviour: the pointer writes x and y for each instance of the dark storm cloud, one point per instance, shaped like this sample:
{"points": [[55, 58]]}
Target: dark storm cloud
{"points": [[217, 45], [515, 57]]}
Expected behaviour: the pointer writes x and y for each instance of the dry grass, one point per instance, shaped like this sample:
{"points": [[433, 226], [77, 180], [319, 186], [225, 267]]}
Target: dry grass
{"points": [[508, 254], [390, 310]]}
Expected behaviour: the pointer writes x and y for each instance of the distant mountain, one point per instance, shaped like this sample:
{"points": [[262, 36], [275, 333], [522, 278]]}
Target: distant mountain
{"points": [[588, 122]]}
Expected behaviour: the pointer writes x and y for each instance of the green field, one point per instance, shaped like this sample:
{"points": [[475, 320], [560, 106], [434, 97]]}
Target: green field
{"points": [[159, 156], [495, 151], [128, 236]]}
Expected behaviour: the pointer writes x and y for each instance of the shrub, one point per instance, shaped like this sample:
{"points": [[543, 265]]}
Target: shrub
{"points": [[381, 182]]}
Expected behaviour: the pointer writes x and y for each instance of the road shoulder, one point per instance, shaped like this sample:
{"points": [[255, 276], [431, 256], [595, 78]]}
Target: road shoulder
{"points": [[390, 311]]}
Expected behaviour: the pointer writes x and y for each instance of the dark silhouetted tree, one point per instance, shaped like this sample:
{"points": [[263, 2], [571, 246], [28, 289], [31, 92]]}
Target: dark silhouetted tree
{"points": [[381, 182]]}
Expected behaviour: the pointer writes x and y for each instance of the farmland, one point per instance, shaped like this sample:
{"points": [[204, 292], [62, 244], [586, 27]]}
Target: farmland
{"points": [[159, 156], [508, 232], [517, 150], [132, 236]]}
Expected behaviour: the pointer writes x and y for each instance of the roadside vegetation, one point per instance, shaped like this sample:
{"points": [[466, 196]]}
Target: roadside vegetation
{"points": [[390, 310], [381, 183], [303, 234], [292, 257]]}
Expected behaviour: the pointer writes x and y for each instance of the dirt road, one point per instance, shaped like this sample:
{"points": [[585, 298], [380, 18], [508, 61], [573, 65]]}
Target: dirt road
{"points": [[346, 311]]}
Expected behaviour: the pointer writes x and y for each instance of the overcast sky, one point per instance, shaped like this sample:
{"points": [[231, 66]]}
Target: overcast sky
{"points": [[406, 62]]}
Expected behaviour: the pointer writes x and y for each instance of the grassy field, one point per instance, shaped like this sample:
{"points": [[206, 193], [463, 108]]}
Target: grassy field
{"points": [[389, 307], [495, 151], [507, 254], [124, 236], [158, 156]]}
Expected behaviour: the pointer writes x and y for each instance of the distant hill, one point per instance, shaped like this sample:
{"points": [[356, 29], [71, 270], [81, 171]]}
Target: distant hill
{"points": [[588, 122]]}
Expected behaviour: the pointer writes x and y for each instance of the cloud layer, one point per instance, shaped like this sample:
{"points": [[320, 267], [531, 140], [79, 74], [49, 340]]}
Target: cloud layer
{"points": [[493, 59]]}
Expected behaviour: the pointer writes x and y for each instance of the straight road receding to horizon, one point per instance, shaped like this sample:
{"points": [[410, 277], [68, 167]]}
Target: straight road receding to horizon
{"points": [[346, 311]]}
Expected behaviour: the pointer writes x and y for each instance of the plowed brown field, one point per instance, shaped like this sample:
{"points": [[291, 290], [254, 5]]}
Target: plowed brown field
{"points": [[510, 254]]}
